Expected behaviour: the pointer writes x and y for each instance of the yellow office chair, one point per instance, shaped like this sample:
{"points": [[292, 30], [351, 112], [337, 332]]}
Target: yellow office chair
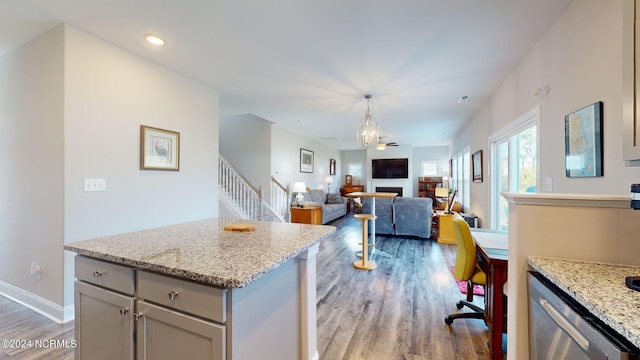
{"points": [[466, 269]]}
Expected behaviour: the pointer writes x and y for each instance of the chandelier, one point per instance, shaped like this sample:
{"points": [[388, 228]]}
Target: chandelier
{"points": [[368, 130]]}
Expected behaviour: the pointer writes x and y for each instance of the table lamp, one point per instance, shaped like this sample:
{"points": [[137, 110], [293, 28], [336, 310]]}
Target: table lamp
{"points": [[299, 187], [329, 181]]}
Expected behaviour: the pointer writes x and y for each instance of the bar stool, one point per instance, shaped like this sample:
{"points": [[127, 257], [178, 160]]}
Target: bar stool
{"points": [[365, 263]]}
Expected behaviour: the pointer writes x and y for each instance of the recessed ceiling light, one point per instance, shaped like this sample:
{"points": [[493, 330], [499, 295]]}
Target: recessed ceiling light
{"points": [[154, 39]]}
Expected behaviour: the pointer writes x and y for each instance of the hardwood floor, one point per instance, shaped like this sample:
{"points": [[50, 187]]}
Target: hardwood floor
{"points": [[396, 311]]}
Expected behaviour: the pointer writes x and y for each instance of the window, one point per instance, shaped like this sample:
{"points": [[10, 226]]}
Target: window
{"points": [[514, 164], [461, 177]]}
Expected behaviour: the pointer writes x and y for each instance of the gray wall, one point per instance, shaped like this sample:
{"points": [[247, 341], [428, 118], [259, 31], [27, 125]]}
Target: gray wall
{"points": [[71, 107]]}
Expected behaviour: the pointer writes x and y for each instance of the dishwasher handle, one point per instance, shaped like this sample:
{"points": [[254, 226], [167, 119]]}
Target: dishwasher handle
{"points": [[565, 325]]}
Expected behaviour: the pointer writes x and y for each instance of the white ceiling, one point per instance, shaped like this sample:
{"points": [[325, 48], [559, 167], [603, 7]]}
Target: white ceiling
{"points": [[306, 65]]}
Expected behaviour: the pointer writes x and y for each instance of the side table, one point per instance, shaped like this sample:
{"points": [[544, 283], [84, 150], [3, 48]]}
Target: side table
{"points": [[307, 215]]}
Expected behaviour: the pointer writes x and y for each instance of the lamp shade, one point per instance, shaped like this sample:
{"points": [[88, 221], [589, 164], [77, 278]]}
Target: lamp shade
{"points": [[329, 179], [299, 187], [442, 192]]}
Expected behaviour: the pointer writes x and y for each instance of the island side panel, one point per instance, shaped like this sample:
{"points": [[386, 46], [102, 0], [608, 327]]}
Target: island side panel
{"points": [[308, 304], [263, 316]]}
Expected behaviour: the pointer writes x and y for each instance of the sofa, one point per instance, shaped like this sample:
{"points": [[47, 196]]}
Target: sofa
{"points": [[333, 205], [402, 216]]}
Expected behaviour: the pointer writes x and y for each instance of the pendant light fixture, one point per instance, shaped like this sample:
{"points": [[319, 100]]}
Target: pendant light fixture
{"points": [[368, 130]]}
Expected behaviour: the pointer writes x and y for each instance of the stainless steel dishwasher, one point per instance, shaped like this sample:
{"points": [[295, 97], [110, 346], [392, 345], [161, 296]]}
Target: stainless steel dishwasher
{"points": [[561, 328]]}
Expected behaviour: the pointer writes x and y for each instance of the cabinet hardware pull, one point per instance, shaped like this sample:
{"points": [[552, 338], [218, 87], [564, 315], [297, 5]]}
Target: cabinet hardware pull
{"points": [[124, 311], [172, 295], [137, 316], [97, 274]]}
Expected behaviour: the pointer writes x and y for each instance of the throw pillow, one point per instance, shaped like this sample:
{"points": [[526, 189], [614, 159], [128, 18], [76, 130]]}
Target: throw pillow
{"points": [[334, 198]]}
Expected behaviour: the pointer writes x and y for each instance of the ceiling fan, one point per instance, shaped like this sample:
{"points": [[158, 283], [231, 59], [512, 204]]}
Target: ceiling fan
{"points": [[382, 145]]}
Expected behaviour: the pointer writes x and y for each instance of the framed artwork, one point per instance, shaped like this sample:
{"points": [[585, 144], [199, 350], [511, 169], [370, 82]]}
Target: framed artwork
{"points": [[348, 179], [332, 166], [159, 149], [583, 142], [476, 163], [306, 161]]}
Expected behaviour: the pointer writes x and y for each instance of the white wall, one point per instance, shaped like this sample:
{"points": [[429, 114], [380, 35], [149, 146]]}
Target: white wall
{"points": [[580, 58], [355, 157], [109, 93], [245, 141], [31, 167], [71, 107], [285, 160], [391, 153]]}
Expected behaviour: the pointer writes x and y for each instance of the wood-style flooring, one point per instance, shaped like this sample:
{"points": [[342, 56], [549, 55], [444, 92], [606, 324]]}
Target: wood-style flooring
{"points": [[396, 311]]}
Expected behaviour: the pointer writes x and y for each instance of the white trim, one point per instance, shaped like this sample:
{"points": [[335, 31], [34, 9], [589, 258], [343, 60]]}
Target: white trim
{"points": [[42, 306], [573, 200], [528, 119], [517, 125]]}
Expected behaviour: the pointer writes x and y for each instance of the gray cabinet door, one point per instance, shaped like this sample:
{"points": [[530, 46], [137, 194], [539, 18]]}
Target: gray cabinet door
{"points": [[166, 334], [104, 323]]}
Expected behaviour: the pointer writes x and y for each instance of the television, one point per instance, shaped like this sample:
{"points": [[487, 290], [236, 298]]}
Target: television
{"points": [[390, 168]]}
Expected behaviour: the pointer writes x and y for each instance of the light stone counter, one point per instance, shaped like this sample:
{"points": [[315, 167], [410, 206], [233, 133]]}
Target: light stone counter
{"points": [[598, 287], [202, 251]]}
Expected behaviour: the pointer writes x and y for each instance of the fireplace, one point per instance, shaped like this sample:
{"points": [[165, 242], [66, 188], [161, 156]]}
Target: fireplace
{"points": [[389, 189]]}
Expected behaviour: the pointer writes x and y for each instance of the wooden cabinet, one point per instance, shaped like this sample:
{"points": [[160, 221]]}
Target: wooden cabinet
{"points": [[165, 317], [166, 334], [307, 215], [347, 188], [427, 186], [104, 325]]}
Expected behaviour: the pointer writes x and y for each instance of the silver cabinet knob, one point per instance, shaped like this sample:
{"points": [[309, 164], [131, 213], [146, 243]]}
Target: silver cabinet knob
{"points": [[124, 310], [172, 295], [97, 274], [137, 316]]}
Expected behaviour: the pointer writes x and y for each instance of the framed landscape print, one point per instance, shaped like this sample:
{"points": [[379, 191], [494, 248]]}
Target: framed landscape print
{"points": [[159, 149], [306, 161], [332, 166], [583, 142]]}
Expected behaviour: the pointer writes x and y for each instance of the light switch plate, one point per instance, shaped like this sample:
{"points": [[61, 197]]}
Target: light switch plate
{"points": [[95, 184], [548, 184]]}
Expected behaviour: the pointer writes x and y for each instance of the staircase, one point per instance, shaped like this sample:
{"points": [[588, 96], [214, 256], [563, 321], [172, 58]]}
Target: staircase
{"points": [[246, 200]]}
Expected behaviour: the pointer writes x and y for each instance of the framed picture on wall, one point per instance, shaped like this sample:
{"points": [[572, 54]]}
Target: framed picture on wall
{"points": [[159, 149], [332, 166], [348, 179], [306, 161], [583, 142], [476, 162]]}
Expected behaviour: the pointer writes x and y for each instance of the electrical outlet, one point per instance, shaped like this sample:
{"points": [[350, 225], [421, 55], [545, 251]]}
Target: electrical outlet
{"points": [[35, 270]]}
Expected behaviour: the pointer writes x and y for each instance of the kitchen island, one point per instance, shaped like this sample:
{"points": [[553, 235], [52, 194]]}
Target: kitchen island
{"points": [[195, 290]]}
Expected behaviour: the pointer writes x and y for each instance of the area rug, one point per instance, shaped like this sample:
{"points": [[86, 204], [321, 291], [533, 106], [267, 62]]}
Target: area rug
{"points": [[462, 285]]}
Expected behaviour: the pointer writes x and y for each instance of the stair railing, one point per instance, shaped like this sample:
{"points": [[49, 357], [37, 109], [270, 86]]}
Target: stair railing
{"points": [[280, 199], [246, 196]]}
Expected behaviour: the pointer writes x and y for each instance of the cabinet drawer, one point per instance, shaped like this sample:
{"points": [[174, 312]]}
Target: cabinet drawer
{"points": [[203, 300], [115, 277]]}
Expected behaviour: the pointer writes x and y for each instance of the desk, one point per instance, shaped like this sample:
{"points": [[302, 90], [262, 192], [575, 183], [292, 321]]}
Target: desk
{"points": [[373, 197], [493, 258]]}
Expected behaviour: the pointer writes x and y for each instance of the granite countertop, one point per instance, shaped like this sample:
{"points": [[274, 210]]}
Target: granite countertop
{"points": [[600, 288], [202, 251]]}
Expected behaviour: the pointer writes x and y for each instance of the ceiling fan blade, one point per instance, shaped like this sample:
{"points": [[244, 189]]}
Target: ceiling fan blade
{"points": [[392, 144]]}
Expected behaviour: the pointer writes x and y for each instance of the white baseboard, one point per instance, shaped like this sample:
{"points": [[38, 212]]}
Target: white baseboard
{"points": [[42, 306]]}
